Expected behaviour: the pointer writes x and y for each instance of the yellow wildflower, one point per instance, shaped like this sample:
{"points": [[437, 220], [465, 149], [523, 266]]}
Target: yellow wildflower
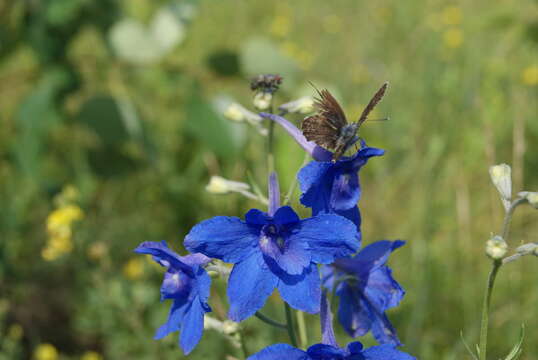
{"points": [[453, 38], [529, 76], [45, 352], [64, 216], [332, 24], [280, 26], [91, 355], [134, 268], [451, 15]]}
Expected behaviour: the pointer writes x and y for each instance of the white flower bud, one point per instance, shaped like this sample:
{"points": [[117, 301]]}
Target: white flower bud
{"points": [[262, 100], [220, 185], [496, 247], [235, 112], [501, 178], [302, 105], [526, 249], [531, 197]]}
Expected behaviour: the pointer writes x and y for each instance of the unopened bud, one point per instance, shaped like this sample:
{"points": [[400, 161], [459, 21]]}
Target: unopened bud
{"points": [[532, 197], [302, 105], [496, 247], [235, 112], [527, 249], [262, 100], [220, 185], [501, 178]]}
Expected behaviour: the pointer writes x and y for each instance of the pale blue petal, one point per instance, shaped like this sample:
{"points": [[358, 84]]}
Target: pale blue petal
{"points": [[326, 318], [302, 292], [279, 352], [193, 327], [345, 192]]}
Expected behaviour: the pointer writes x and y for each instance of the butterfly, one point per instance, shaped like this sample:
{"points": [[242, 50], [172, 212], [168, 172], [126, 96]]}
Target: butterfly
{"points": [[329, 127]]}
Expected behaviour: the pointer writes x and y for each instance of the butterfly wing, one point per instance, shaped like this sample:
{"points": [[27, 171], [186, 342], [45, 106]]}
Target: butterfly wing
{"points": [[372, 104], [324, 127]]}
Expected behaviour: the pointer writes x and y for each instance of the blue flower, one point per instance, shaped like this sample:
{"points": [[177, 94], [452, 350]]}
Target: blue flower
{"points": [[329, 187], [366, 290], [329, 349], [187, 284], [273, 250]]}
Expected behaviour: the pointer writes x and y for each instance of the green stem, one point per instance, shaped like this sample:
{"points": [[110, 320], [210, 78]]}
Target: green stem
{"points": [[269, 321], [303, 337], [289, 324], [491, 282], [243, 344], [294, 183]]}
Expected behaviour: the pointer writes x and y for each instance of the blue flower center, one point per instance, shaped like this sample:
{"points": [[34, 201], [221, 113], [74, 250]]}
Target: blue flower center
{"points": [[271, 236]]}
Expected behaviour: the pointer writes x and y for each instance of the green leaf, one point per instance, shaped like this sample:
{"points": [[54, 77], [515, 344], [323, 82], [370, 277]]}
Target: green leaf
{"points": [[473, 355], [517, 350], [103, 115]]}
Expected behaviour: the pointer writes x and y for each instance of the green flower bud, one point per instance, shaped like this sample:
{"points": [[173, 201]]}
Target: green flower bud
{"points": [[531, 197], [496, 247], [501, 178]]}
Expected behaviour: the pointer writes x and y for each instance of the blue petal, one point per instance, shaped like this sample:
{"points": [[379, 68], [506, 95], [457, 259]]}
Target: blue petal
{"points": [[279, 352], [345, 192], [369, 258], [315, 180], [302, 292], [176, 284], [196, 259], [257, 217], [175, 318], [355, 347], [292, 256], [326, 318], [322, 351], [163, 255], [250, 283], [223, 237], [355, 318], [285, 215], [361, 157], [383, 331], [193, 326], [382, 290], [385, 352], [354, 215], [328, 236], [203, 284], [274, 194]]}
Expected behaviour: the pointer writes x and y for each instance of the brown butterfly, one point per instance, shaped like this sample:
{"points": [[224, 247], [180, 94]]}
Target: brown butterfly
{"points": [[329, 127]]}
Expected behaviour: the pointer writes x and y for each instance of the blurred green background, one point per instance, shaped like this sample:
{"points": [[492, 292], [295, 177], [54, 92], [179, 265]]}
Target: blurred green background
{"points": [[111, 125]]}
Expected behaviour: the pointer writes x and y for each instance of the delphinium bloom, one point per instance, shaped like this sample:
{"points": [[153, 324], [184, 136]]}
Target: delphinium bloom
{"points": [[329, 187], [366, 289], [273, 250], [329, 349], [187, 284]]}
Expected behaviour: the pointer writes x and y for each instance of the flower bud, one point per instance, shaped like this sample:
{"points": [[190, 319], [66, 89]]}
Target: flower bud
{"points": [[220, 185], [302, 105], [531, 197], [526, 249], [262, 100], [235, 112], [501, 178], [496, 247]]}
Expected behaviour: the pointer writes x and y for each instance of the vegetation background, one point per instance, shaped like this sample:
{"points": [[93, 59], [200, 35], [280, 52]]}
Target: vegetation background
{"points": [[110, 128]]}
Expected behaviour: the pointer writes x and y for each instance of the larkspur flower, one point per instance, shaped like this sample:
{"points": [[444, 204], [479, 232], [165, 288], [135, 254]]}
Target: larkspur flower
{"points": [[366, 289], [328, 348], [329, 187], [187, 284], [273, 250]]}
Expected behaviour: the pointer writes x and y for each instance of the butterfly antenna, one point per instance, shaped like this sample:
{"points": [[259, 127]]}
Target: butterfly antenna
{"points": [[372, 104]]}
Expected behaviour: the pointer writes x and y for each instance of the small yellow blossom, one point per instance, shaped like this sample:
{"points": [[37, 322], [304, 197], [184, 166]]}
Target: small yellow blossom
{"points": [[453, 38], [45, 352], [529, 76], [332, 24], [451, 15], [134, 268], [97, 250], [280, 26], [69, 194], [64, 216], [91, 355], [15, 332]]}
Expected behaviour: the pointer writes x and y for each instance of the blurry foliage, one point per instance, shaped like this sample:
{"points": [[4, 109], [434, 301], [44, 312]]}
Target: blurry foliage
{"points": [[116, 97]]}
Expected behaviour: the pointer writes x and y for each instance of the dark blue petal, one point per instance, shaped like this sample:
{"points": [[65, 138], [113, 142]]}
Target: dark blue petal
{"points": [[285, 215], [163, 255], [257, 217], [385, 352], [326, 352], [355, 347], [326, 318], [382, 290], [302, 292], [315, 180], [354, 316], [176, 284], [279, 352], [175, 318], [227, 238], [361, 157], [345, 192], [369, 258], [328, 236], [193, 326], [250, 283], [354, 215], [382, 329], [203, 283]]}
